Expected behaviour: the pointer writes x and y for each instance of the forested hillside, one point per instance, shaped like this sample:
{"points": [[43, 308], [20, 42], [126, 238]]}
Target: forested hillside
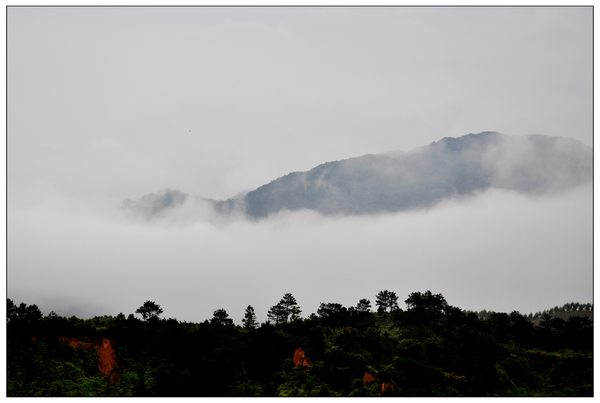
{"points": [[427, 349]]}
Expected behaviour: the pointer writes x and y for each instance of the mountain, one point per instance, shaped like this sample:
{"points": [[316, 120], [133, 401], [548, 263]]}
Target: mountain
{"points": [[451, 167], [377, 183], [155, 204]]}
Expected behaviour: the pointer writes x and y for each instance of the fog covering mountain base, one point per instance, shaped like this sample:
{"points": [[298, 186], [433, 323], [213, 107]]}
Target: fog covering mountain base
{"points": [[398, 181], [510, 229]]}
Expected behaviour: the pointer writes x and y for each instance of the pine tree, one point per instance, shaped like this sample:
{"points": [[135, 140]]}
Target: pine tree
{"points": [[364, 305], [249, 320], [287, 310], [221, 317], [386, 301], [149, 310]]}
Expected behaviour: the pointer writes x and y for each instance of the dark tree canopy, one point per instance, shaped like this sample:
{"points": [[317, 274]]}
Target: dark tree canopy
{"points": [[22, 313], [328, 310], [432, 349], [249, 320], [149, 310], [221, 317], [386, 301], [11, 310], [428, 304], [364, 305], [277, 314], [286, 310]]}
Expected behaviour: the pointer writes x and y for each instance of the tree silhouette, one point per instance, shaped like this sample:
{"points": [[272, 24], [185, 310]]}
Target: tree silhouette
{"points": [[11, 310], [286, 310], [337, 351], [427, 304], [249, 320], [23, 313], [386, 301], [221, 317], [149, 310], [330, 309], [364, 305], [276, 314]]}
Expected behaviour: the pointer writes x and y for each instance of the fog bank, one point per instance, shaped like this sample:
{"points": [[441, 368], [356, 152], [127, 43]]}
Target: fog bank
{"points": [[498, 251]]}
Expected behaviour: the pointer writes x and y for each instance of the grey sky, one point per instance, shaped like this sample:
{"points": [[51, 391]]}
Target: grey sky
{"points": [[214, 101], [111, 103]]}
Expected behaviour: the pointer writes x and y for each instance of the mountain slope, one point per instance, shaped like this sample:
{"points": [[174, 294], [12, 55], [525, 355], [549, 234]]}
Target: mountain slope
{"points": [[377, 183], [451, 167], [155, 204]]}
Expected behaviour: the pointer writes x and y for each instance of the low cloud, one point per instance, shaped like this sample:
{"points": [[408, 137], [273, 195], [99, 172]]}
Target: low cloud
{"points": [[497, 250]]}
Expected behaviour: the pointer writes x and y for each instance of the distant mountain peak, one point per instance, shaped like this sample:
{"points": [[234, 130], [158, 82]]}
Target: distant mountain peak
{"points": [[153, 204], [448, 168]]}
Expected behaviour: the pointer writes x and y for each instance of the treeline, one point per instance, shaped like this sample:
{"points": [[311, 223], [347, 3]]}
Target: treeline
{"points": [[428, 349], [565, 311]]}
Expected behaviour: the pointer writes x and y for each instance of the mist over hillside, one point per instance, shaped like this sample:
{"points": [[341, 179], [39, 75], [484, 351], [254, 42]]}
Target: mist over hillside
{"points": [[397, 181], [521, 228], [154, 204]]}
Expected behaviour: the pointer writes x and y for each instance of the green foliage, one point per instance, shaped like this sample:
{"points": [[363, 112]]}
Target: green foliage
{"points": [[301, 382], [426, 305], [386, 301], [333, 314], [566, 311], [432, 349], [46, 369]]}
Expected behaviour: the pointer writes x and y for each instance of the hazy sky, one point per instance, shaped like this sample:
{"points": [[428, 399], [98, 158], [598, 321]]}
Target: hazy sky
{"points": [[214, 101], [111, 103]]}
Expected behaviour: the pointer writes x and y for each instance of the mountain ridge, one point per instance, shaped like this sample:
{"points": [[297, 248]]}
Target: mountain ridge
{"points": [[419, 178]]}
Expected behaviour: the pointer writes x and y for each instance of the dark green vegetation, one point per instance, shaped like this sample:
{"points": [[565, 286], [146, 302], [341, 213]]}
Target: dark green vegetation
{"points": [[428, 349]]}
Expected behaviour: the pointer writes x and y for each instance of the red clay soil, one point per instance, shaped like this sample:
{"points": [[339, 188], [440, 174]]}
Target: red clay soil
{"points": [[368, 378], [107, 360], [300, 359], [107, 354], [76, 343], [387, 387]]}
